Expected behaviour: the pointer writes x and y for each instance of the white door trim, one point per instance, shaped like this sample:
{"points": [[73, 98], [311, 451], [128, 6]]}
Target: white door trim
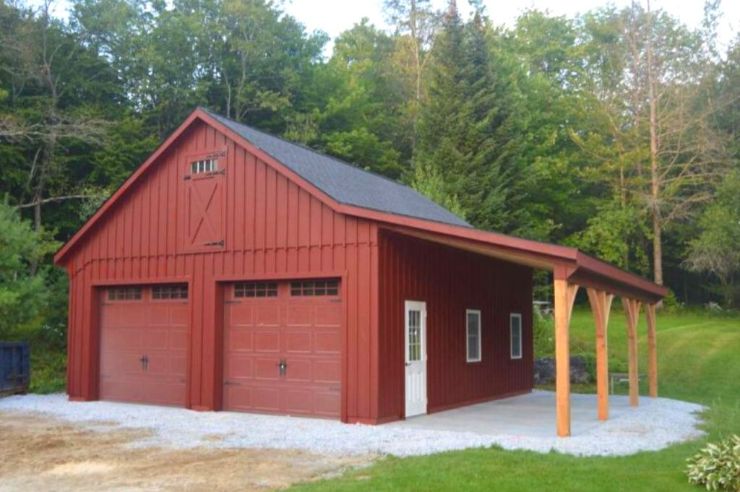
{"points": [[415, 374]]}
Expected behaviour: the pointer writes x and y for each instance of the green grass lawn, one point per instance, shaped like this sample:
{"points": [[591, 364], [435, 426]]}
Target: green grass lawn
{"points": [[698, 360]]}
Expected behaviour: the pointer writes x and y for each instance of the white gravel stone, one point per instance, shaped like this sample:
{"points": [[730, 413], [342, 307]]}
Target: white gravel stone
{"points": [[655, 424]]}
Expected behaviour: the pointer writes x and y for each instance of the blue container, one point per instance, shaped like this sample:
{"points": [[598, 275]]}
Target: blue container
{"points": [[15, 367]]}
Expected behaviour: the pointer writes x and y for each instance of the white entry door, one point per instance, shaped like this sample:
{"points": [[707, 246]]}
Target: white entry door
{"points": [[416, 358]]}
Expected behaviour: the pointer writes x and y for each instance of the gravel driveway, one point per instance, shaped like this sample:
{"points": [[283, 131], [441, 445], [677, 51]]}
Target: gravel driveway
{"points": [[40, 453], [655, 424]]}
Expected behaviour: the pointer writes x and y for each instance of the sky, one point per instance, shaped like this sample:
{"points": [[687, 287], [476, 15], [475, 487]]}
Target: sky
{"points": [[335, 16]]}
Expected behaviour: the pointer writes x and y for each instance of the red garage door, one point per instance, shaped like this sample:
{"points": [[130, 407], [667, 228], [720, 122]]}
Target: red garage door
{"points": [[143, 344], [282, 344]]}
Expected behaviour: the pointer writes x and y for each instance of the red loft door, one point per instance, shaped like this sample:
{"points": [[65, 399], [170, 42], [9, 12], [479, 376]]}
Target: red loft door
{"points": [[204, 211]]}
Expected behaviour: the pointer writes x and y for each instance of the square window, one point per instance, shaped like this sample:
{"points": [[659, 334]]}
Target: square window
{"points": [[204, 166], [515, 330], [473, 335]]}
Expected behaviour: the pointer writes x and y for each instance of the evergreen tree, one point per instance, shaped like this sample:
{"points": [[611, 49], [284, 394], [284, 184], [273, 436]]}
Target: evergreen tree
{"points": [[461, 131], [487, 173], [442, 127], [22, 293]]}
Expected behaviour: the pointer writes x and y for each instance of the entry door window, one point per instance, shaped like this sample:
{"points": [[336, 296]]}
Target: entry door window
{"points": [[414, 345]]}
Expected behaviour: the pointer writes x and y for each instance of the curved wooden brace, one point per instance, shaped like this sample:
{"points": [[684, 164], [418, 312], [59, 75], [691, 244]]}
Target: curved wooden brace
{"points": [[601, 303]]}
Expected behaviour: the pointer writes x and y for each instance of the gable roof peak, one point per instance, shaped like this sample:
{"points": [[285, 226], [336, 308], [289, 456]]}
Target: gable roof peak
{"points": [[339, 180], [343, 182]]}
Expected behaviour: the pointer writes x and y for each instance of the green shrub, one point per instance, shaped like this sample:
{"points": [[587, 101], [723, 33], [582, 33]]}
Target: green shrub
{"points": [[589, 359], [618, 364], [671, 302], [717, 466], [542, 330], [23, 295], [48, 370], [33, 298]]}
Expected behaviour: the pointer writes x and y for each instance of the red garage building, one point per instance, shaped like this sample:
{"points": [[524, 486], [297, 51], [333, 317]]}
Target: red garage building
{"points": [[237, 271]]}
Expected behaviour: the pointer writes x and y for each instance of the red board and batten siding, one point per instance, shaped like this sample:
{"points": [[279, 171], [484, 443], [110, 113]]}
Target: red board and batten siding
{"points": [[451, 281], [272, 229]]}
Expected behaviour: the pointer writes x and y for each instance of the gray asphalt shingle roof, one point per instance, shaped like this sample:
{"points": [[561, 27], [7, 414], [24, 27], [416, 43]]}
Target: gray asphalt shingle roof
{"points": [[344, 182]]}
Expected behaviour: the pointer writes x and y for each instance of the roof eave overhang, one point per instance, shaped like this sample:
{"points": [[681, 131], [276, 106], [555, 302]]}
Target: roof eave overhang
{"points": [[595, 273], [507, 252], [578, 267]]}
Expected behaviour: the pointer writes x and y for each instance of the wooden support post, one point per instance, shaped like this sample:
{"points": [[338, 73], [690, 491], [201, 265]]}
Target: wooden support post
{"points": [[632, 311], [652, 351], [601, 303], [564, 296]]}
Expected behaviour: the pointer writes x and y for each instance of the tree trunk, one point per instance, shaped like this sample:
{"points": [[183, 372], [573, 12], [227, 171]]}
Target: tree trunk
{"points": [[37, 212], [417, 62], [727, 290], [654, 174], [34, 264], [228, 95], [657, 250]]}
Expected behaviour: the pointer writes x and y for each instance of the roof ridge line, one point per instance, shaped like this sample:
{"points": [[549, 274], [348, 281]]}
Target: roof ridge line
{"points": [[315, 151]]}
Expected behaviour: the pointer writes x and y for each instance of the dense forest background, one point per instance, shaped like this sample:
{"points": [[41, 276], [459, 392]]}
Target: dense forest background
{"points": [[614, 131]]}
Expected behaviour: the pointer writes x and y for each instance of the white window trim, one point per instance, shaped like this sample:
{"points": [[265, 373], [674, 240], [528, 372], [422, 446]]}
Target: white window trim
{"points": [[480, 332], [203, 166], [511, 336]]}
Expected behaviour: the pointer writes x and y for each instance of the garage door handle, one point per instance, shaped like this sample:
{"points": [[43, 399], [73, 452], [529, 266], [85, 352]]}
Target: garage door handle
{"points": [[282, 366]]}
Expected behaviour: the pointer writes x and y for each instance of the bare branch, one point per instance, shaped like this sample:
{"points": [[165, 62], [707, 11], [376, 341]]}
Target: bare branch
{"points": [[57, 199]]}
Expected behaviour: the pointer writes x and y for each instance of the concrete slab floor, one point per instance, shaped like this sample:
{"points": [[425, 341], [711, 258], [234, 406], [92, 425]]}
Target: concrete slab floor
{"points": [[529, 415]]}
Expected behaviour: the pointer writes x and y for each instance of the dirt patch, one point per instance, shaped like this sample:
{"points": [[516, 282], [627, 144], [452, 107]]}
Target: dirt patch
{"points": [[44, 453]]}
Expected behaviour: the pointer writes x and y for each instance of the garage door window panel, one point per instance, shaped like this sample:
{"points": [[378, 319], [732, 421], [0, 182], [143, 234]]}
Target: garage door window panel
{"points": [[308, 288], [169, 292], [124, 294], [255, 289]]}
